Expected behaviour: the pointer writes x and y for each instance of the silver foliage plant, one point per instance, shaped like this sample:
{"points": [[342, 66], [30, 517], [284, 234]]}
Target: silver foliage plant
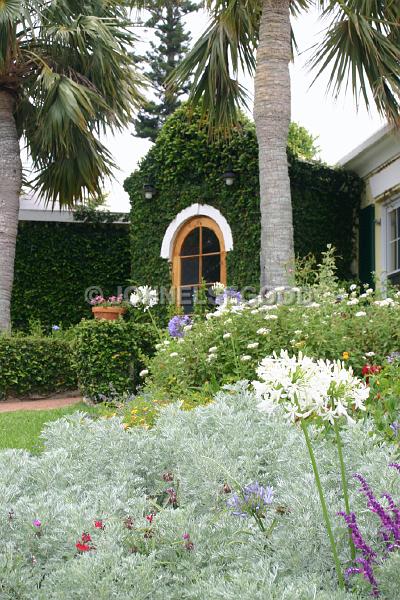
{"points": [[94, 470]]}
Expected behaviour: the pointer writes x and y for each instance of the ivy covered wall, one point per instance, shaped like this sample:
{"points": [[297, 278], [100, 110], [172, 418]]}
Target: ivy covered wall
{"points": [[186, 167], [56, 262]]}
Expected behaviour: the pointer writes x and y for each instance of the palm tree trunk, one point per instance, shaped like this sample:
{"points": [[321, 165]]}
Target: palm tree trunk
{"points": [[10, 189], [272, 118]]}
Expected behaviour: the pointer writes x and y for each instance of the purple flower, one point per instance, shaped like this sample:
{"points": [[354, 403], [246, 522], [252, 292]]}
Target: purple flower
{"points": [[356, 536], [177, 324], [367, 572], [37, 523], [389, 532], [229, 295], [395, 427], [393, 357], [251, 501], [55, 328], [186, 536]]}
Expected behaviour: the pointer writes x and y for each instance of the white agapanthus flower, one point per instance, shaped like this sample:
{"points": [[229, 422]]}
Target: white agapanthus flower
{"points": [[144, 296], [306, 387]]}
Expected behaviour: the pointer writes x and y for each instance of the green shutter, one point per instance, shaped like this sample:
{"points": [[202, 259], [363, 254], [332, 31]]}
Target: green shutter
{"points": [[366, 265]]}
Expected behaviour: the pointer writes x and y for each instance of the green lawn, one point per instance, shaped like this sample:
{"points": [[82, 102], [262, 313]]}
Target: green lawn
{"points": [[22, 429]]}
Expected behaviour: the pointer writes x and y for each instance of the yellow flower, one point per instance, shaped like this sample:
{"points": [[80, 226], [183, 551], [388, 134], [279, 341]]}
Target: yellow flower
{"points": [[126, 426], [346, 355]]}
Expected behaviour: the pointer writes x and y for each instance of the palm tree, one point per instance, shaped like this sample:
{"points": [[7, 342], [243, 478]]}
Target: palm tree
{"points": [[66, 75], [361, 47]]}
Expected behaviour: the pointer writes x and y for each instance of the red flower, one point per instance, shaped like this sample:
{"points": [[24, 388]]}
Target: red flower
{"points": [[82, 547], [86, 537], [150, 518], [99, 524], [371, 369]]}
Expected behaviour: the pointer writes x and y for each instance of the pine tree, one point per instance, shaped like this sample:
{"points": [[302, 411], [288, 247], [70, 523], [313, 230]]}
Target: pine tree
{"points": [[165, 54]]}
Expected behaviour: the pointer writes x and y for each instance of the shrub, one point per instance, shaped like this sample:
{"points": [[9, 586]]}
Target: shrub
{"points": [[33, 364], [109, 355], [96, 479]]}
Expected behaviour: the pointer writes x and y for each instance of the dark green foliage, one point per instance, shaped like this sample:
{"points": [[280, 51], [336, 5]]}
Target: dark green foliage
{"points": [[302, 143], [162, 59], [57, 262], [186, 167], [31, 364], [108, 356]]}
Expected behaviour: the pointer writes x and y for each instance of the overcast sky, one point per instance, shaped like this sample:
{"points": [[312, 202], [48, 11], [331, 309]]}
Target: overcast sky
{"points": [[338, 125]]}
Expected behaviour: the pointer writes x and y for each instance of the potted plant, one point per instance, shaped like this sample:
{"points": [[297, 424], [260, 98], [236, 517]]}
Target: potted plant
{"points": [[108, 308]]}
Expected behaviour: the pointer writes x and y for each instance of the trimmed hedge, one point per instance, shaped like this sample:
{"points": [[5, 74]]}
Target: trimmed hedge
{"points": [[108, 356], [56, 262], [185, 167], [32, 365]]}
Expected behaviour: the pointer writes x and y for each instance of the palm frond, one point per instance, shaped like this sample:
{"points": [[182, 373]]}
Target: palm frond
{"points": [[227, 47], [76, 77], [361, 49], [68, 157]]}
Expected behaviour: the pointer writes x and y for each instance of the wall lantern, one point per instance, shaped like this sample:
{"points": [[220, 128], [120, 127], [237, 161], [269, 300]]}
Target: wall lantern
{"points": [[229, 176], [149, 191]]}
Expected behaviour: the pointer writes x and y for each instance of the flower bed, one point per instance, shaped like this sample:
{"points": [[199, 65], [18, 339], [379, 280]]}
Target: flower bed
{"points": [[358, 326], [171, 513]]}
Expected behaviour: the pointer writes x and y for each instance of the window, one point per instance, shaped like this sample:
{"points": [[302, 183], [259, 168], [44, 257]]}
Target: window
{"points": [[393, 239], [199, 255]]}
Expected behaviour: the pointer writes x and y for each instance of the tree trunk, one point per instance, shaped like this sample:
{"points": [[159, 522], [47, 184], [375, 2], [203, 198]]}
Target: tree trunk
{"points": [[10, 189], [272, 118]]}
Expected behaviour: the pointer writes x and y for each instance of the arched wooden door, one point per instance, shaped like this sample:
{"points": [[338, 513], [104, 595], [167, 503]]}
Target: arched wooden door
{"points": [[199, 255]]}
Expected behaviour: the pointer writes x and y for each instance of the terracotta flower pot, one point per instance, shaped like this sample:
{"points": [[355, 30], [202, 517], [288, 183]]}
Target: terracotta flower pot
{"points": [[110, 313]]}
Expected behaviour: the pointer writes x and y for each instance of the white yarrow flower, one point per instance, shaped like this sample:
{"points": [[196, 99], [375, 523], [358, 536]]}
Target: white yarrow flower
{"points": [[353, 302], [263, 331], [245, 358], [173, 354], [226, 336], [253, 345], [144, 373], [360, 313], [213, 349]]}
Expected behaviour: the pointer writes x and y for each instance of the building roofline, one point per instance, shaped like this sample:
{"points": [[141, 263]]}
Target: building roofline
{"points": [[366, 145], [57, 216]]}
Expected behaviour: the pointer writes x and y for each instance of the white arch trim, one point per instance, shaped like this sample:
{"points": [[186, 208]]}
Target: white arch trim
{"points": [[195, 210]]}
